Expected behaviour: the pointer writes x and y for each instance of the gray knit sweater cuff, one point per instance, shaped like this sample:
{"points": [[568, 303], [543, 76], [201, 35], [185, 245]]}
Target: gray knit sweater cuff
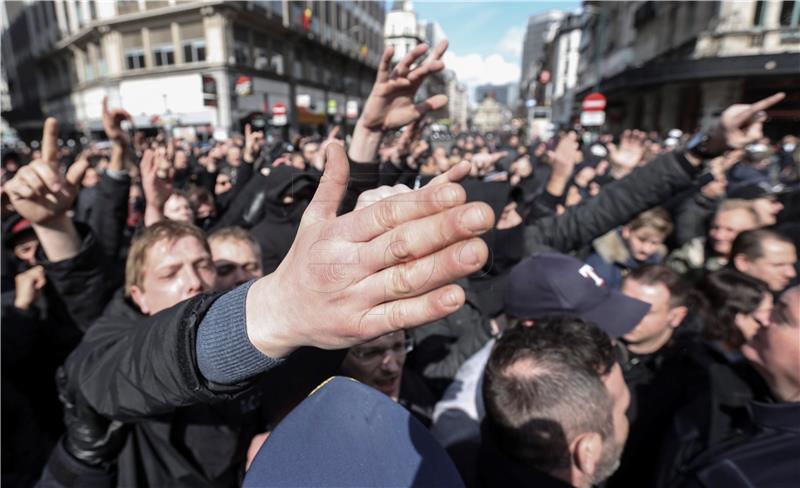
{"points": [[225, 354]]}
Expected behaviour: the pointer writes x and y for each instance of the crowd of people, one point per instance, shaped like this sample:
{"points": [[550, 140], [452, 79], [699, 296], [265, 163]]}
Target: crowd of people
{"points": [[617, 310]]}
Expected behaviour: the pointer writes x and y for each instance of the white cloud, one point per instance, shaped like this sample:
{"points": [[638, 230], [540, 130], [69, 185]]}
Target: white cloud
{"points": [[511, 43], [474, 69]]}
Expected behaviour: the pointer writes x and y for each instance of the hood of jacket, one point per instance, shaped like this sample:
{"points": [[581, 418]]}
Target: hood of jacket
{"points": [[613, 249]]}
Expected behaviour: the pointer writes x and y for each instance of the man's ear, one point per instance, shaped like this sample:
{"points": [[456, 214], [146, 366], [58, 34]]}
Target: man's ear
{"points": [[626, 232], [741, 263], [138, 297], [676, 316], [587, 450]]}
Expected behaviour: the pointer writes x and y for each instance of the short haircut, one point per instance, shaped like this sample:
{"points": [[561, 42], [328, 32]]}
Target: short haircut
{"points": [[164, 230], [750, 242], [237, 234], [199, 196], [724, 294], [657, 219], [658, 274], [543, 385], [737, 204]]}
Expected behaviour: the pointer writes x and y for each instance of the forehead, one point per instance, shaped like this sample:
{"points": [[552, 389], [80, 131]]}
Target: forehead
{"points": [[773, 247], [735, 217], [167, 252], [235, 250], [652, 294]]}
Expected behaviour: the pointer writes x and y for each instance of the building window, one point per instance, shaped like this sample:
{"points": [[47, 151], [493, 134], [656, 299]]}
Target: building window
{"points": [[194, 51], [153, 4], [164, 55], [241, 45], [134, 58], [758, 15], [127, 6], [260, 51], [790, 14]]}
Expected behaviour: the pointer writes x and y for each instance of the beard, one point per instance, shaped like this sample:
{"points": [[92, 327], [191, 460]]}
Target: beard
{"points": [[609, 461]]}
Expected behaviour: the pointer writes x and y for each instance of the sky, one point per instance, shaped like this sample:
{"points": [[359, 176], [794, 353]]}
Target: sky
{"points": [[485, 37]]}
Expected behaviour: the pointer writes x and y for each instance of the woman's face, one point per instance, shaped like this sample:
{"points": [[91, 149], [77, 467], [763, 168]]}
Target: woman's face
{"points": [[749, 323]]}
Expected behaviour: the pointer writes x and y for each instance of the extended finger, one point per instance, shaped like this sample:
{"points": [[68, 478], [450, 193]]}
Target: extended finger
{"points": [[385, 66], [105, 106], [422, 275], [433, 103], [751, 111], [422, 237], [452, 175], [50, 142], [411, 312], [332, 186], [409, 59], [380, 217]]}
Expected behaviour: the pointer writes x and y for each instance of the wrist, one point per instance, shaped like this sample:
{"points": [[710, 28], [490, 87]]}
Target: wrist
{"points": [[59, 238], [267, 329], [22, 303], [365, 144]]}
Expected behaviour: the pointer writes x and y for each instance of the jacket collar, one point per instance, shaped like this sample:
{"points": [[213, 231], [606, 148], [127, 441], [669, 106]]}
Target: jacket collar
{"points": [[776, 416]]}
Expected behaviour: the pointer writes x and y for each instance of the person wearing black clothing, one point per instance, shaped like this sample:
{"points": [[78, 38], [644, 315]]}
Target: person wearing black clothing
{"points": [[770, 436], [648, 355]]}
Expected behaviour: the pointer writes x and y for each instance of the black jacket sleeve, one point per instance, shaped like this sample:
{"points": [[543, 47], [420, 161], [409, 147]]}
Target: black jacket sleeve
{"points": [[363, 177], [617, 204], [81, 282], [131, 366], [110, 213]]}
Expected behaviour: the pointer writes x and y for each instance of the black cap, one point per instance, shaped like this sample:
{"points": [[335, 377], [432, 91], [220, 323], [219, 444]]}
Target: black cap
{"points": [[751, 191], [549, 283]]}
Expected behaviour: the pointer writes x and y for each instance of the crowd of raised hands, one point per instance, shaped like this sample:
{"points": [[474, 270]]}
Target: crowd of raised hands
{"points": [[343, 240]]}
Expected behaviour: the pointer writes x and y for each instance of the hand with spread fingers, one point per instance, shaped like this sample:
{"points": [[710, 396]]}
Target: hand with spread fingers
{"points": [[387, 266], [630, 152], [157, 186], [391, 104], [41, 193]]}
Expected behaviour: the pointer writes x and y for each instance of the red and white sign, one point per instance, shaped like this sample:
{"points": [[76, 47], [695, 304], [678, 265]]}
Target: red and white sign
{"points": [[279, 109], [594, 102], [279, 114], [244, 86]]}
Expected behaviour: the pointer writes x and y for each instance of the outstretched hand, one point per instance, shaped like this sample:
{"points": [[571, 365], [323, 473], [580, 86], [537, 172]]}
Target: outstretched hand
{"points": [[391, 103], [741, 124], [112, 124], [384, 267], [39, 191], [630, 152]]}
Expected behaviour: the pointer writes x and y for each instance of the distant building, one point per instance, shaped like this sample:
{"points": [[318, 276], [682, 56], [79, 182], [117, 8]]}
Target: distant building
{"points": [[490, 116], [402, 30], [507, 94], [564, 69], [540, 31], [664, 65], [458, 102], [202, 64]]}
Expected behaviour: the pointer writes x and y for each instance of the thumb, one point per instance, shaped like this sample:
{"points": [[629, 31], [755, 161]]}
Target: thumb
{"points": [[332, 186], [76, 171]]}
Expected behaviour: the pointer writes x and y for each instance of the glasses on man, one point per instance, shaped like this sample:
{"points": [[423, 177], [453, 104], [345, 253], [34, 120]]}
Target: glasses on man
{"points": [[376, 355]]}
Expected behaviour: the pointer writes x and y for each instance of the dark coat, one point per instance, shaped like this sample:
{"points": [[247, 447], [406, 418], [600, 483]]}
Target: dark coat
{"points": [[143, 370], [617, 204], [765, 456]]}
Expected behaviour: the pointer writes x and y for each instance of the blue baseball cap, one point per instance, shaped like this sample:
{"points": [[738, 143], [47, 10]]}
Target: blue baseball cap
{"points": [[550, 283], [347, 434]]}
